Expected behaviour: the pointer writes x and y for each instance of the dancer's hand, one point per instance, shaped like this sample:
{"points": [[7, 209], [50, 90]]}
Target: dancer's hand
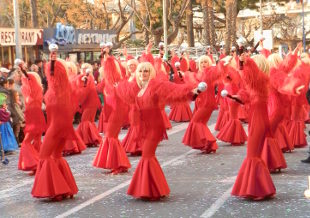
{"points": [[298, 47], [299, 88]]}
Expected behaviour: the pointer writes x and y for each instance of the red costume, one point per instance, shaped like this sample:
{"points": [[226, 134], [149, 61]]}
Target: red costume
{"points": [[198, 135], [111, 154], [180, 112], [148, 180], [279, 104], [254, 180], [232, 131], [53, 177], [300, 76], [90, 102], [77, 145], [133, 141], [35, 123], [223, 115]]}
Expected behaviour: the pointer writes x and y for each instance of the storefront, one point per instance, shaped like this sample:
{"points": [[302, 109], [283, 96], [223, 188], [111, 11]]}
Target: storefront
{"points": [[76, 44], [31, 41]]}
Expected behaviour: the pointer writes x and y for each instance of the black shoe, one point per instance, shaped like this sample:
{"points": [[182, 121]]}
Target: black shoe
{"points": [[306, 160]]}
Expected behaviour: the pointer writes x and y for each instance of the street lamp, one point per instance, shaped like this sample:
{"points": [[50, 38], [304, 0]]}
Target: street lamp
{"points": [[17, 31]]}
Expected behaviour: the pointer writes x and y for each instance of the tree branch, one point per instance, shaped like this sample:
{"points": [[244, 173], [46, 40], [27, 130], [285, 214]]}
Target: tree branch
{"points": [[138, 16]]}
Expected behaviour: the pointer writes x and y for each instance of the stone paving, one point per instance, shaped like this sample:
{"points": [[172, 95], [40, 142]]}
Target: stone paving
{"points": [[200, 186]]}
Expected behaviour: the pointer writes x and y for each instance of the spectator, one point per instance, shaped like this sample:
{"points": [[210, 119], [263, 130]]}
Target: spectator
{"points": [[96, 72], [40, 71], [7, 137], [4, 72], [18, 117]]}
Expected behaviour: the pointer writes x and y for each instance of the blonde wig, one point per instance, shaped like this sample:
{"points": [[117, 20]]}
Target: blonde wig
{"points": [[145, 66], [274, 60], [204, 58], [231, 61], [87, 66], [72, 69], [130, 62], [261, 63]]}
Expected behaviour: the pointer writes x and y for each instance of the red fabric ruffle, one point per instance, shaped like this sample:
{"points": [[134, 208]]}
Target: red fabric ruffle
{"points": [[53, 178], [74, 146], [198, 136], [272, 155], [111, 155], [148, 180], [232, 132], [89, 133], [28, 157], [253, 180], [180, 112], [132, 142]]}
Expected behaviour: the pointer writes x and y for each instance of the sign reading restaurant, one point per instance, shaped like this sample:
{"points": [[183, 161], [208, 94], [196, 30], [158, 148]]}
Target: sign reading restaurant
{"points": [[68, 38], [28, 36]]}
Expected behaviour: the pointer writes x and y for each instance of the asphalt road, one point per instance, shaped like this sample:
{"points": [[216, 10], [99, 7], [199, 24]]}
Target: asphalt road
{"points": [[200, 186]]}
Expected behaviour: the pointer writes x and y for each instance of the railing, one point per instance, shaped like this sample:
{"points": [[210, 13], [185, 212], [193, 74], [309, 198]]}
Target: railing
{"points": [[194, 52]]}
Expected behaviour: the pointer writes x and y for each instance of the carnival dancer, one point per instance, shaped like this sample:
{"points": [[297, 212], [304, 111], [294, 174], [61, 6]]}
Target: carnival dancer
{"points": [[53, 176], [198, 135], [180, 112], [271, 153], [297, 126], [32, 91], [89, 101], [132, 142], [279, 104], [148, 180], [111, 154], [232, 131], [75, 146], [254, 180]]}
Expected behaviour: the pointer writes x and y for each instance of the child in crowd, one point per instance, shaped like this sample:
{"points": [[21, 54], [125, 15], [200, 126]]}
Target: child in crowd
{"points": [[8, 139]]}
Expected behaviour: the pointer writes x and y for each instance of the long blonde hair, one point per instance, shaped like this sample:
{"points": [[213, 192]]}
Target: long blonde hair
{"points": [[274, 60], [261, 63], [145, 66], [204, 58]]}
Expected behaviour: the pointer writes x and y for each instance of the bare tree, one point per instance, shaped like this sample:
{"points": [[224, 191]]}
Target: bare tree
{"points": [[119, 25], [34, 14], [190, 25], [206, 26], [174, 19]]}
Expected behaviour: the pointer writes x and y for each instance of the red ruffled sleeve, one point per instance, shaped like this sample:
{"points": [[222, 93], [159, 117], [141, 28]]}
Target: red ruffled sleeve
{"points": [[127, 91], [288, 63], [256, 80], [147, 58], [168, 92]]}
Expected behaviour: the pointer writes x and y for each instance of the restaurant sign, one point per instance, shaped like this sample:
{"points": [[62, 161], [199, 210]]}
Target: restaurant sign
{"points": [[69, 38], [28, 36]]}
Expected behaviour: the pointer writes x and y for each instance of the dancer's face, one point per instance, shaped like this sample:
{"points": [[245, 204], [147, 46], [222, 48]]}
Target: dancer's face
{"points": [[144, 75], [204, 64], [132, 68]]}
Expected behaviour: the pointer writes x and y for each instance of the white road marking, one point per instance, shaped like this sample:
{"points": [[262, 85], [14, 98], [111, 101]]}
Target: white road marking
{"points": [[126, 183], [25, 182], [217, 204]]}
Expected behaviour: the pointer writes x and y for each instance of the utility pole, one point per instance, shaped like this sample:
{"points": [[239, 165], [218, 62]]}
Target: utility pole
{"points": [[165, 28], [18, 46], [261, 16], [303, 26]]}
